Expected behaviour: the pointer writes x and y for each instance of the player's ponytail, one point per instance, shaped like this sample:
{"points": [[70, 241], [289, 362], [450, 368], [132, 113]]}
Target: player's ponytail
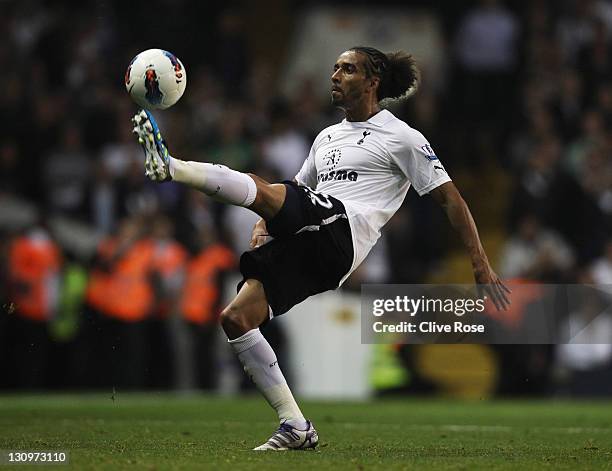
{"points": [[398, 72], [402, 77]]}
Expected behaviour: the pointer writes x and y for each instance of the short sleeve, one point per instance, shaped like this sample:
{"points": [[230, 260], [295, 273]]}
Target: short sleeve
{"points": [[307, 176], [415, 157]]}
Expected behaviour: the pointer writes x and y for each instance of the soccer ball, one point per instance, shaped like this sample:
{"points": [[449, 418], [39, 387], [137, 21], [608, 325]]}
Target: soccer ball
{"points": [[155, 79]]}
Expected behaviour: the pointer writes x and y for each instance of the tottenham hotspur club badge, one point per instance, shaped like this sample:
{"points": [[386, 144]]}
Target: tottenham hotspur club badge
{"points": [[366, 133]]}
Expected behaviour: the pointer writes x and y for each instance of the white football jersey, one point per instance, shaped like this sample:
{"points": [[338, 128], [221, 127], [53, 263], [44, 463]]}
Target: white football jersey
{"points": [[369, 166]]}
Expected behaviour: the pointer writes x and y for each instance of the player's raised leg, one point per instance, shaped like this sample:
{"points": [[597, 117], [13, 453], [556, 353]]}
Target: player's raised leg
{"points": [[241, 321], [242, 318], [217, 181]]}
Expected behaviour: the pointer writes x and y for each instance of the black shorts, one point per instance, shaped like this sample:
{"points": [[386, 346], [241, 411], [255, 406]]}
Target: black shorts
{"points": [[311, 251]]}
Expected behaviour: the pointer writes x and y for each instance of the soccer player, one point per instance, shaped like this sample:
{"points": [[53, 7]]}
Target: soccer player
{"points": [[325, 222]]}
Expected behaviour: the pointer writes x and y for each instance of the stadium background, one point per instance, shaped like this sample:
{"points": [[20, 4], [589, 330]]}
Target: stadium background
{"points": [[110, 282]]}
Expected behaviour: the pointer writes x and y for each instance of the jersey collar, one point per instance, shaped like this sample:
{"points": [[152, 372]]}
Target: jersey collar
{"points": [[379, 119]]}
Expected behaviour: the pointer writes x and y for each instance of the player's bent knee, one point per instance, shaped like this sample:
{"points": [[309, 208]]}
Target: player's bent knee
{"points": [[269, 198], [234, 322]]}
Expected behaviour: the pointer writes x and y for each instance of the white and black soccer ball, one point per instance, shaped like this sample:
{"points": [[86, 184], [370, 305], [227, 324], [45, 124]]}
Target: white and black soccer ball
{"points": [[155, 79]]}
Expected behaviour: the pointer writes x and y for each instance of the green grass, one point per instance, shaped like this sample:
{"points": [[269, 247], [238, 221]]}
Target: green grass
{"points": [[161, 431]]}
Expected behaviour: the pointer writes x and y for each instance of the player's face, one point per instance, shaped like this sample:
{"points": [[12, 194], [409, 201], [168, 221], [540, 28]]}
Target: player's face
{"points": [[349, 81]]}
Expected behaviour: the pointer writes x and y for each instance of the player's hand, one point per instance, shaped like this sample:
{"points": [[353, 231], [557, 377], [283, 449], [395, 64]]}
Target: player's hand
{"points": [[492, 286], [259, 236]]}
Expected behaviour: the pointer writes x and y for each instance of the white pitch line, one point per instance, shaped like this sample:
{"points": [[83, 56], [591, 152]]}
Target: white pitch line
{"points": [[476, 428], [479, 428], [460, 428]]}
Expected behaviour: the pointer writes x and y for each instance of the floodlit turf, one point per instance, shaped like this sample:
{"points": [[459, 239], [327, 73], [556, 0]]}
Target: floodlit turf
{"points": [[161, 431]]}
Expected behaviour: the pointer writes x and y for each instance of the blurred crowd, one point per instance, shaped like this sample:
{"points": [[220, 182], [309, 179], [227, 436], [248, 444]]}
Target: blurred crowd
{"points": [[102, 270]]}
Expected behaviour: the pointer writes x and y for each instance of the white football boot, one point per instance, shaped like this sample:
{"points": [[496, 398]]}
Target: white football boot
{"points": [[287, 437], [157, 158]]}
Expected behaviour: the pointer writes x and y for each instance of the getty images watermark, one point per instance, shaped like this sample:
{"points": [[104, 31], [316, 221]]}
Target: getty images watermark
{"points": [[538, 314]]}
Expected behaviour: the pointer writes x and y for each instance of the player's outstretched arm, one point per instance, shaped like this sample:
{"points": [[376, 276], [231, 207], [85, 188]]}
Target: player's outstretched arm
{"points": [[462, 221]]}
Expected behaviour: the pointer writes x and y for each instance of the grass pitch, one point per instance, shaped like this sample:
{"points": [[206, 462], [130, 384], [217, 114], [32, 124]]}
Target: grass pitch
{"points": [[163, 431]]}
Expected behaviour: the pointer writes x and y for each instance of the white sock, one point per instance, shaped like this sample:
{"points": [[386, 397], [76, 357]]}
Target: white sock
{"points": [[261, 365], [217, 181]]}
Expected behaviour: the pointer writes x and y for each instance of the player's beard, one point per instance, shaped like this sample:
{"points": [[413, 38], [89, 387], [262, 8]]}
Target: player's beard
{"points": [[346, 97], [337, 98], [343, 99]]}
